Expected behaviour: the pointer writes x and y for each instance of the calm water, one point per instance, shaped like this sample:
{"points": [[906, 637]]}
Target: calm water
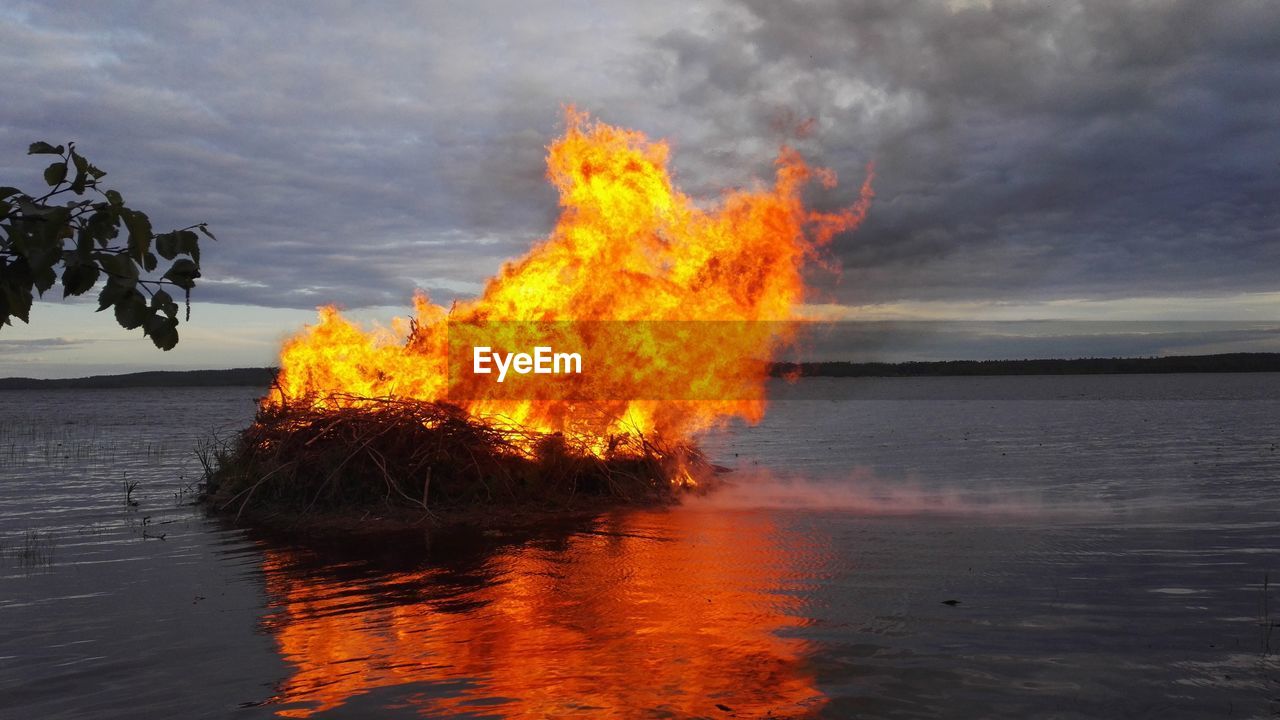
{"points": [[1106, 538]]}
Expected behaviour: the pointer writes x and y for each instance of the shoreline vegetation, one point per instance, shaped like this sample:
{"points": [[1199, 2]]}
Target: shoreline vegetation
{"points": [[1222, 363]]}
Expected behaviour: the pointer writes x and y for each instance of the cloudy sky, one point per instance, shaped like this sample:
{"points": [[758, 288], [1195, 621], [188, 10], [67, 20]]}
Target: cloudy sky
{"points": [[1086, 160]]}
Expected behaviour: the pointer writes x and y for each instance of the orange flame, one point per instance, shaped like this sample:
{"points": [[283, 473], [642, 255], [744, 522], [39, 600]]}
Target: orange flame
{"points": [[629, 246]]}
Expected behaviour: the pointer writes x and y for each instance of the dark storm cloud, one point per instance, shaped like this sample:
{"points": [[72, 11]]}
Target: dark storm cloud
{"points": [[1026, 148], [1038, 149]]}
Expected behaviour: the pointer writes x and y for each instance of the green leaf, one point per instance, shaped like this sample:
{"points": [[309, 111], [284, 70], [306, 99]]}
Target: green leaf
{"points": [[55, 173], [163, 302], [103, 225], [167, 245], [172, 244], [56, 228], [163, 331], [44, 279], [43, 148], [139, 232], [183, 274], [79, 243], [84, 167], [18, 299], [41, 249], [189, 242], [79, 277], [111, 293], [131, 310], [119, 266]]}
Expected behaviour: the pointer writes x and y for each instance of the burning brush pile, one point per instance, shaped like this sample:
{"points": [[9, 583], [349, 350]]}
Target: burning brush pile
{"points": [[673, 311], [423, 454]]}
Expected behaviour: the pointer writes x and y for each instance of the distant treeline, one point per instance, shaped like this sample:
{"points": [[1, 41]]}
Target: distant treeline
{"points": [[1229, 363], [1226, 363], [252, 377]]}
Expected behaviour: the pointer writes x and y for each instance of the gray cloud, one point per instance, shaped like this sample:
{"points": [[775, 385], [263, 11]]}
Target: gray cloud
{"points": [[1017, 340], [18, 347], [1025, 150], [1093, 148], [339, 154]]}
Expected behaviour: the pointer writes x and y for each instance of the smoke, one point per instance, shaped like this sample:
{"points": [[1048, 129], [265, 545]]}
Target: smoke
{"points": [[862, 492]]}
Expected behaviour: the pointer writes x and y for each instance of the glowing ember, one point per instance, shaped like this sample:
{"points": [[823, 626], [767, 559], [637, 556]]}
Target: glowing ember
{"points": [[628, 247]]}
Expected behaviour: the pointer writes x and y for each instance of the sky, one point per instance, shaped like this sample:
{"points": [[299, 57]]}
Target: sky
{"points": [[1079, 160]]}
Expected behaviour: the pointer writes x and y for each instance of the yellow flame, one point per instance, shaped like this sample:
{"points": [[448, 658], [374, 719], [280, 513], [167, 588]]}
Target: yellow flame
{"points": [[628, 246]]}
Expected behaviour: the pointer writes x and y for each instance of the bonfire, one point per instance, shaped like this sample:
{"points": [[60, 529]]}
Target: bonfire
{"points": [[385, 415]]}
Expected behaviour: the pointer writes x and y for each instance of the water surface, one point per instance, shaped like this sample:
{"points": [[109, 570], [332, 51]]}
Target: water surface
{"points": [[1105, 540]]}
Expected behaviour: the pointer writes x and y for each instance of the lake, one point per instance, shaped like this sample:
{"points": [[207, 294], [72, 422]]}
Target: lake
{"points": [[1021, 547]]}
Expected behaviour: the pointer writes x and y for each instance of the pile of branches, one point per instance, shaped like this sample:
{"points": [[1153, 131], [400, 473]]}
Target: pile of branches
{"points": [[430, 456]]}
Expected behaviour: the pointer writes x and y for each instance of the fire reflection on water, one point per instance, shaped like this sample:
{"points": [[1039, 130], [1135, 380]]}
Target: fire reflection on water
{"points": [[665, 614]]}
